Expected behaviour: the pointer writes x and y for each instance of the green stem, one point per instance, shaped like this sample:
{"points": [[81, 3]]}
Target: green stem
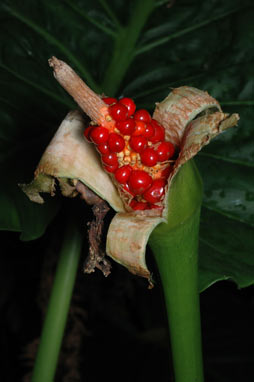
{"points": [[175, 247], [124, 46], [56, 317]]}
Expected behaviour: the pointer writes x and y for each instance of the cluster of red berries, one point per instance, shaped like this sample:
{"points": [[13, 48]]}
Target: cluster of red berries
{"points": [[134, 149]]}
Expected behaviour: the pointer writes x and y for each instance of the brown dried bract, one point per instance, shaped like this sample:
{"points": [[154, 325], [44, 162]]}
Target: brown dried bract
{"points": [[96, 258]]}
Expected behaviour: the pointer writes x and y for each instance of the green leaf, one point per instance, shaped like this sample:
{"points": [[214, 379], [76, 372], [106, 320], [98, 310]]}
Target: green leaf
{"points": [[17, 212], [226, 251], [196, 58], [228, 189]]}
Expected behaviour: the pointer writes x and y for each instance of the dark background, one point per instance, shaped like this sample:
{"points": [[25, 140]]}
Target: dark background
{"points": [[117, 328]]}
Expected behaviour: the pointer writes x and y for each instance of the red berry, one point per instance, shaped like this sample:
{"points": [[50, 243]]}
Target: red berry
{"points": [[99, 135], [138, 144], [149, 131], [159, 132], [165, 173], [126, 127], [165, 151], [116, 143], [139, 181], [103, 148], [87, 132], [138, 205], [111, 169], [126, 187], [129, 103], [149, 157], [110, 159], [118, 112], [155, 192], [140, 128], [142, 115], [109, 100], [122, 174]]}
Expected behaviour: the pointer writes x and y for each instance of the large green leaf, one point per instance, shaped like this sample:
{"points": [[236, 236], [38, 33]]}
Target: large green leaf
{"points": [[228, 189], [142, 51], [17, 212], [17, 161], [226, 251]]}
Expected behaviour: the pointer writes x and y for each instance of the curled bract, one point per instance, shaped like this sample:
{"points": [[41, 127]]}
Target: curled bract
{"points": [[191, 118]]}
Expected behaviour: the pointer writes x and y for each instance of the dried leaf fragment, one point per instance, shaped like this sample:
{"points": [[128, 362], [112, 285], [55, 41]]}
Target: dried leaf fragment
{"points": [[43, 183]]}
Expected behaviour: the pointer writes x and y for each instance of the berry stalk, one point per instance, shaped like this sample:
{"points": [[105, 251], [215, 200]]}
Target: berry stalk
{"points": [[85, 97], [175, 248]]}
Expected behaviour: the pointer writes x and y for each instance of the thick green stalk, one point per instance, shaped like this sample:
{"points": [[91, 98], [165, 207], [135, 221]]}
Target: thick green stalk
{"points": [[175, 247], [124, 48], [56, 317]]}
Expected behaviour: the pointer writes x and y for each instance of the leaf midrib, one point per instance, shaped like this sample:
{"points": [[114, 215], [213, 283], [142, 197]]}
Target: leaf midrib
{"points": [[37, 86], [226, 159]]}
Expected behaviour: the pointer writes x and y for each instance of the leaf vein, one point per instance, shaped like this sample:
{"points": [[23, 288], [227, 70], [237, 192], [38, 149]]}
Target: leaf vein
{"points": [[54, 41], [226, 214], [182, 32]]}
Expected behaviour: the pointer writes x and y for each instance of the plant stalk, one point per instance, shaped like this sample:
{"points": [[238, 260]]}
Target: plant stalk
{"points": [[124, 49], [57, 313], [175, 247]]}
